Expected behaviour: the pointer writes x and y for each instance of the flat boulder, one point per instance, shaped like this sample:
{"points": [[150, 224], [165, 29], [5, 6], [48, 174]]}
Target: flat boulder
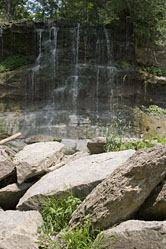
{"points": [[18, 230], [80, 175], [133, 234], [40, 138], [154, 208], [35, 158], [122, 193], [10, 195]]}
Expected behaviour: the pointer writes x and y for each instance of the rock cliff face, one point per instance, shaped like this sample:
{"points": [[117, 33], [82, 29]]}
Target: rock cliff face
{"points": [[82, 81]]}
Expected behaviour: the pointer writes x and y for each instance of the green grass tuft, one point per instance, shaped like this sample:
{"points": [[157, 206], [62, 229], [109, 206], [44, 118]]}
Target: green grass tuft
{"points": [[56, 214]]}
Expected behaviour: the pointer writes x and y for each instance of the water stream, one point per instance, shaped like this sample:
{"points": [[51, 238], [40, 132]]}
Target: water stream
{"points": [[76, 85]]}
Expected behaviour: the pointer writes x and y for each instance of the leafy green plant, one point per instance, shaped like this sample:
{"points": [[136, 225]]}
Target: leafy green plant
{"points": [[153, 70], [161, 140], [154, 110], [56, 214], [116, 143], [13, 62]]}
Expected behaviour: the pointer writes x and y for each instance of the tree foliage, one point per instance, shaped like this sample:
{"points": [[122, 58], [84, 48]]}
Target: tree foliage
{"points": [[147, 16], [12, 9]]}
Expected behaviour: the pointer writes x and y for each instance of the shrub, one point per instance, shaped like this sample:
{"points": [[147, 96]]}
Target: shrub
{"points": [[154, 110], [154, 70], [116, 143], [13, 62]]}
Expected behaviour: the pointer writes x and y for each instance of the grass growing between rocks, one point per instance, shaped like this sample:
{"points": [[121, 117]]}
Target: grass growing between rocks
{"points": [[117, 143], [56, 214]]}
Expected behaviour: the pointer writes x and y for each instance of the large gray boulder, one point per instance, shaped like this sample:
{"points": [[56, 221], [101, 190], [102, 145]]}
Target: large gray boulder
{"points": [[154, 208], [10, 195], [18, 230], [119, 196], [133, 234], [7, 166], [81, 175], [34, 159]]}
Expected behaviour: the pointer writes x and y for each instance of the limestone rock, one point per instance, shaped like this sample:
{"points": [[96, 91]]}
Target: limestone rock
{"points": [[10, 195], [82, 175], [121, 194], [76, 144], [39, 138], [97, 145], [7, 166], [154, 208], [134, 234], [34, 159], [149, 124], [18, 230]]}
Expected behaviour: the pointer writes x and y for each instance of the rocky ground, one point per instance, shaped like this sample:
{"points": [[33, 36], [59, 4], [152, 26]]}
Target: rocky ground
{"points": [[125, 190]]}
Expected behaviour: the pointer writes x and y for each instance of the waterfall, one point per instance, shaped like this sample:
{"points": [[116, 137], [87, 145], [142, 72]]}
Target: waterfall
{"points": [[1, 39], [83, 93], [97, 91], [112, 88], [75, 77], [32, 79], [39, 35], [53, 38], [107, 42], [46, 60], [33, 85], [75, 91], [76, 43]]}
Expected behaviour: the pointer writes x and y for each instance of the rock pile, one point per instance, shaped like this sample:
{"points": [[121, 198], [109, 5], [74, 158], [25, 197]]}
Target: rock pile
{"points": [[116, 187], [135, 189]]}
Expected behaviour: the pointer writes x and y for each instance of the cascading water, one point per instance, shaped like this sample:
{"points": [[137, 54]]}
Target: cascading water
{"points": [[107, 42], [53, 38], [1, 42], [39, 34], [74, 84], [76, 61], [46, 60], [97, 92], [32, 79], [76, 43], [71, 85]]}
